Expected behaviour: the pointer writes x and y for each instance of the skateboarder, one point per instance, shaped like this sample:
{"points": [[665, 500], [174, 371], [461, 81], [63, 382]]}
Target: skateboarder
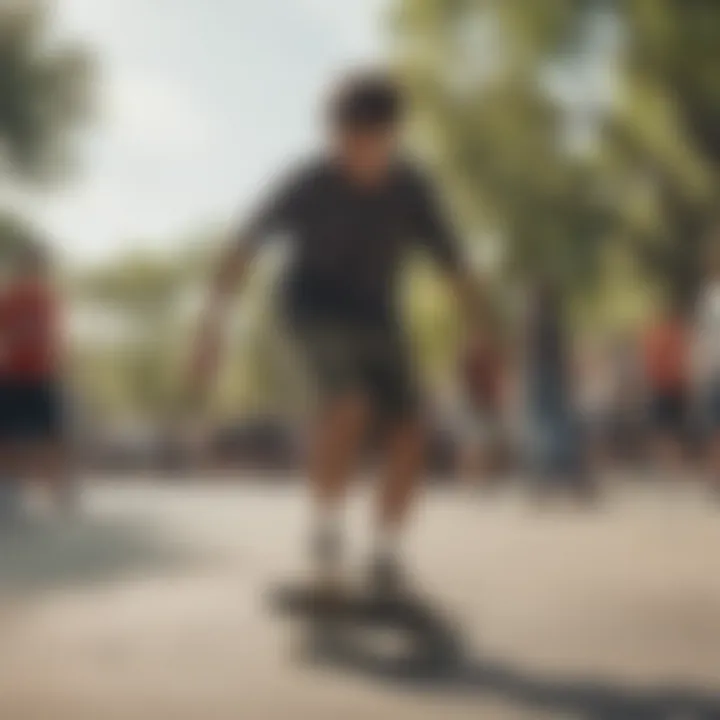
{"points": [[351, 214]]}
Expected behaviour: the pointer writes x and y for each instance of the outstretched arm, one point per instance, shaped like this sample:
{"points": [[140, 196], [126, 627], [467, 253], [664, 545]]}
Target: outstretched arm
{"points": [[273, 215], [227, 278]]}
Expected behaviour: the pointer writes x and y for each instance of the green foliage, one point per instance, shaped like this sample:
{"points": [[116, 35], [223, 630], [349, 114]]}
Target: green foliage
{"points": [[619, 220], [146, 299], [665, 135], [44, 92], [14, 236], [646, 187], [497, 138]]}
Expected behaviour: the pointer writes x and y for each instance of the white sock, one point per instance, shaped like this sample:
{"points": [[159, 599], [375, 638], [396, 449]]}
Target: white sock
{"points": [[388, 542], [326, 520], [326, 534]]}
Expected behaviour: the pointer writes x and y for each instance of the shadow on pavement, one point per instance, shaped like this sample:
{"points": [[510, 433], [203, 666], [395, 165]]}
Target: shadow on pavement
{"points": [[438, 664], [38, 556]]}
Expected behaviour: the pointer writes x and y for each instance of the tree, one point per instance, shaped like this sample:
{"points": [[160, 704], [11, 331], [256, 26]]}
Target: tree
{"points": [[476, 72], [664, 135], [44, 92], [150, 302], [481, 72], [14, 236], [144, 298]]}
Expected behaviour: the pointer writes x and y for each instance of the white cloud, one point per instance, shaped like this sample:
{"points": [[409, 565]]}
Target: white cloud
{"points": [[200, 100], [152, 113], [356, 24]]}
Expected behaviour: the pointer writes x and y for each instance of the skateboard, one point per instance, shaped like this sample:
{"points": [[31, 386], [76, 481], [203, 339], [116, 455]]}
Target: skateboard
{"points": [[342, 629]]}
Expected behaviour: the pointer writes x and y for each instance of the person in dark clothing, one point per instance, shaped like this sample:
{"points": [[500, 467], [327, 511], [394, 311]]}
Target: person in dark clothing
{"points": [[481, 436], [555, 443], [352, 216], [667, 366]]}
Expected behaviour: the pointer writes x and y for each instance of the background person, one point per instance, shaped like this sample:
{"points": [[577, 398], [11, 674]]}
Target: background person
{"points": [[31, 379], [706, 363], [553, 437], [594, 402], [666, 360], [481, 412], [628, 416]]}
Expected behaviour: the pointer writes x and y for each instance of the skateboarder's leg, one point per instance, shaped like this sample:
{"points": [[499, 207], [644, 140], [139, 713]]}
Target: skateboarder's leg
{"points": [[405, 463], [338, 435], [396, 399], [334, 360]]}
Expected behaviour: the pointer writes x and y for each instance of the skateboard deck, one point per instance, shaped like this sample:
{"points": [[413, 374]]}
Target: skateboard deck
{"points": [[335, 624], [414, 614]]}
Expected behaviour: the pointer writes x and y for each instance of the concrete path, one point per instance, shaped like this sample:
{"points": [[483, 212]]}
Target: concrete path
{"points": [[152, 607]]}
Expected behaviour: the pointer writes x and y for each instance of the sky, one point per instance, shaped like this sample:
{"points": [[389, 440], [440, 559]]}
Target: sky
{"points": [[199, 103]]}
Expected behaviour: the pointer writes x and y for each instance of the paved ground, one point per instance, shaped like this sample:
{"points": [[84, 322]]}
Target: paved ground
{"points": [[152, 607]]}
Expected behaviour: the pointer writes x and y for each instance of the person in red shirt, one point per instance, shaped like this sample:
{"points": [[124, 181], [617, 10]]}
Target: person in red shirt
{"points": [[666, 359], [31, 427]]}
